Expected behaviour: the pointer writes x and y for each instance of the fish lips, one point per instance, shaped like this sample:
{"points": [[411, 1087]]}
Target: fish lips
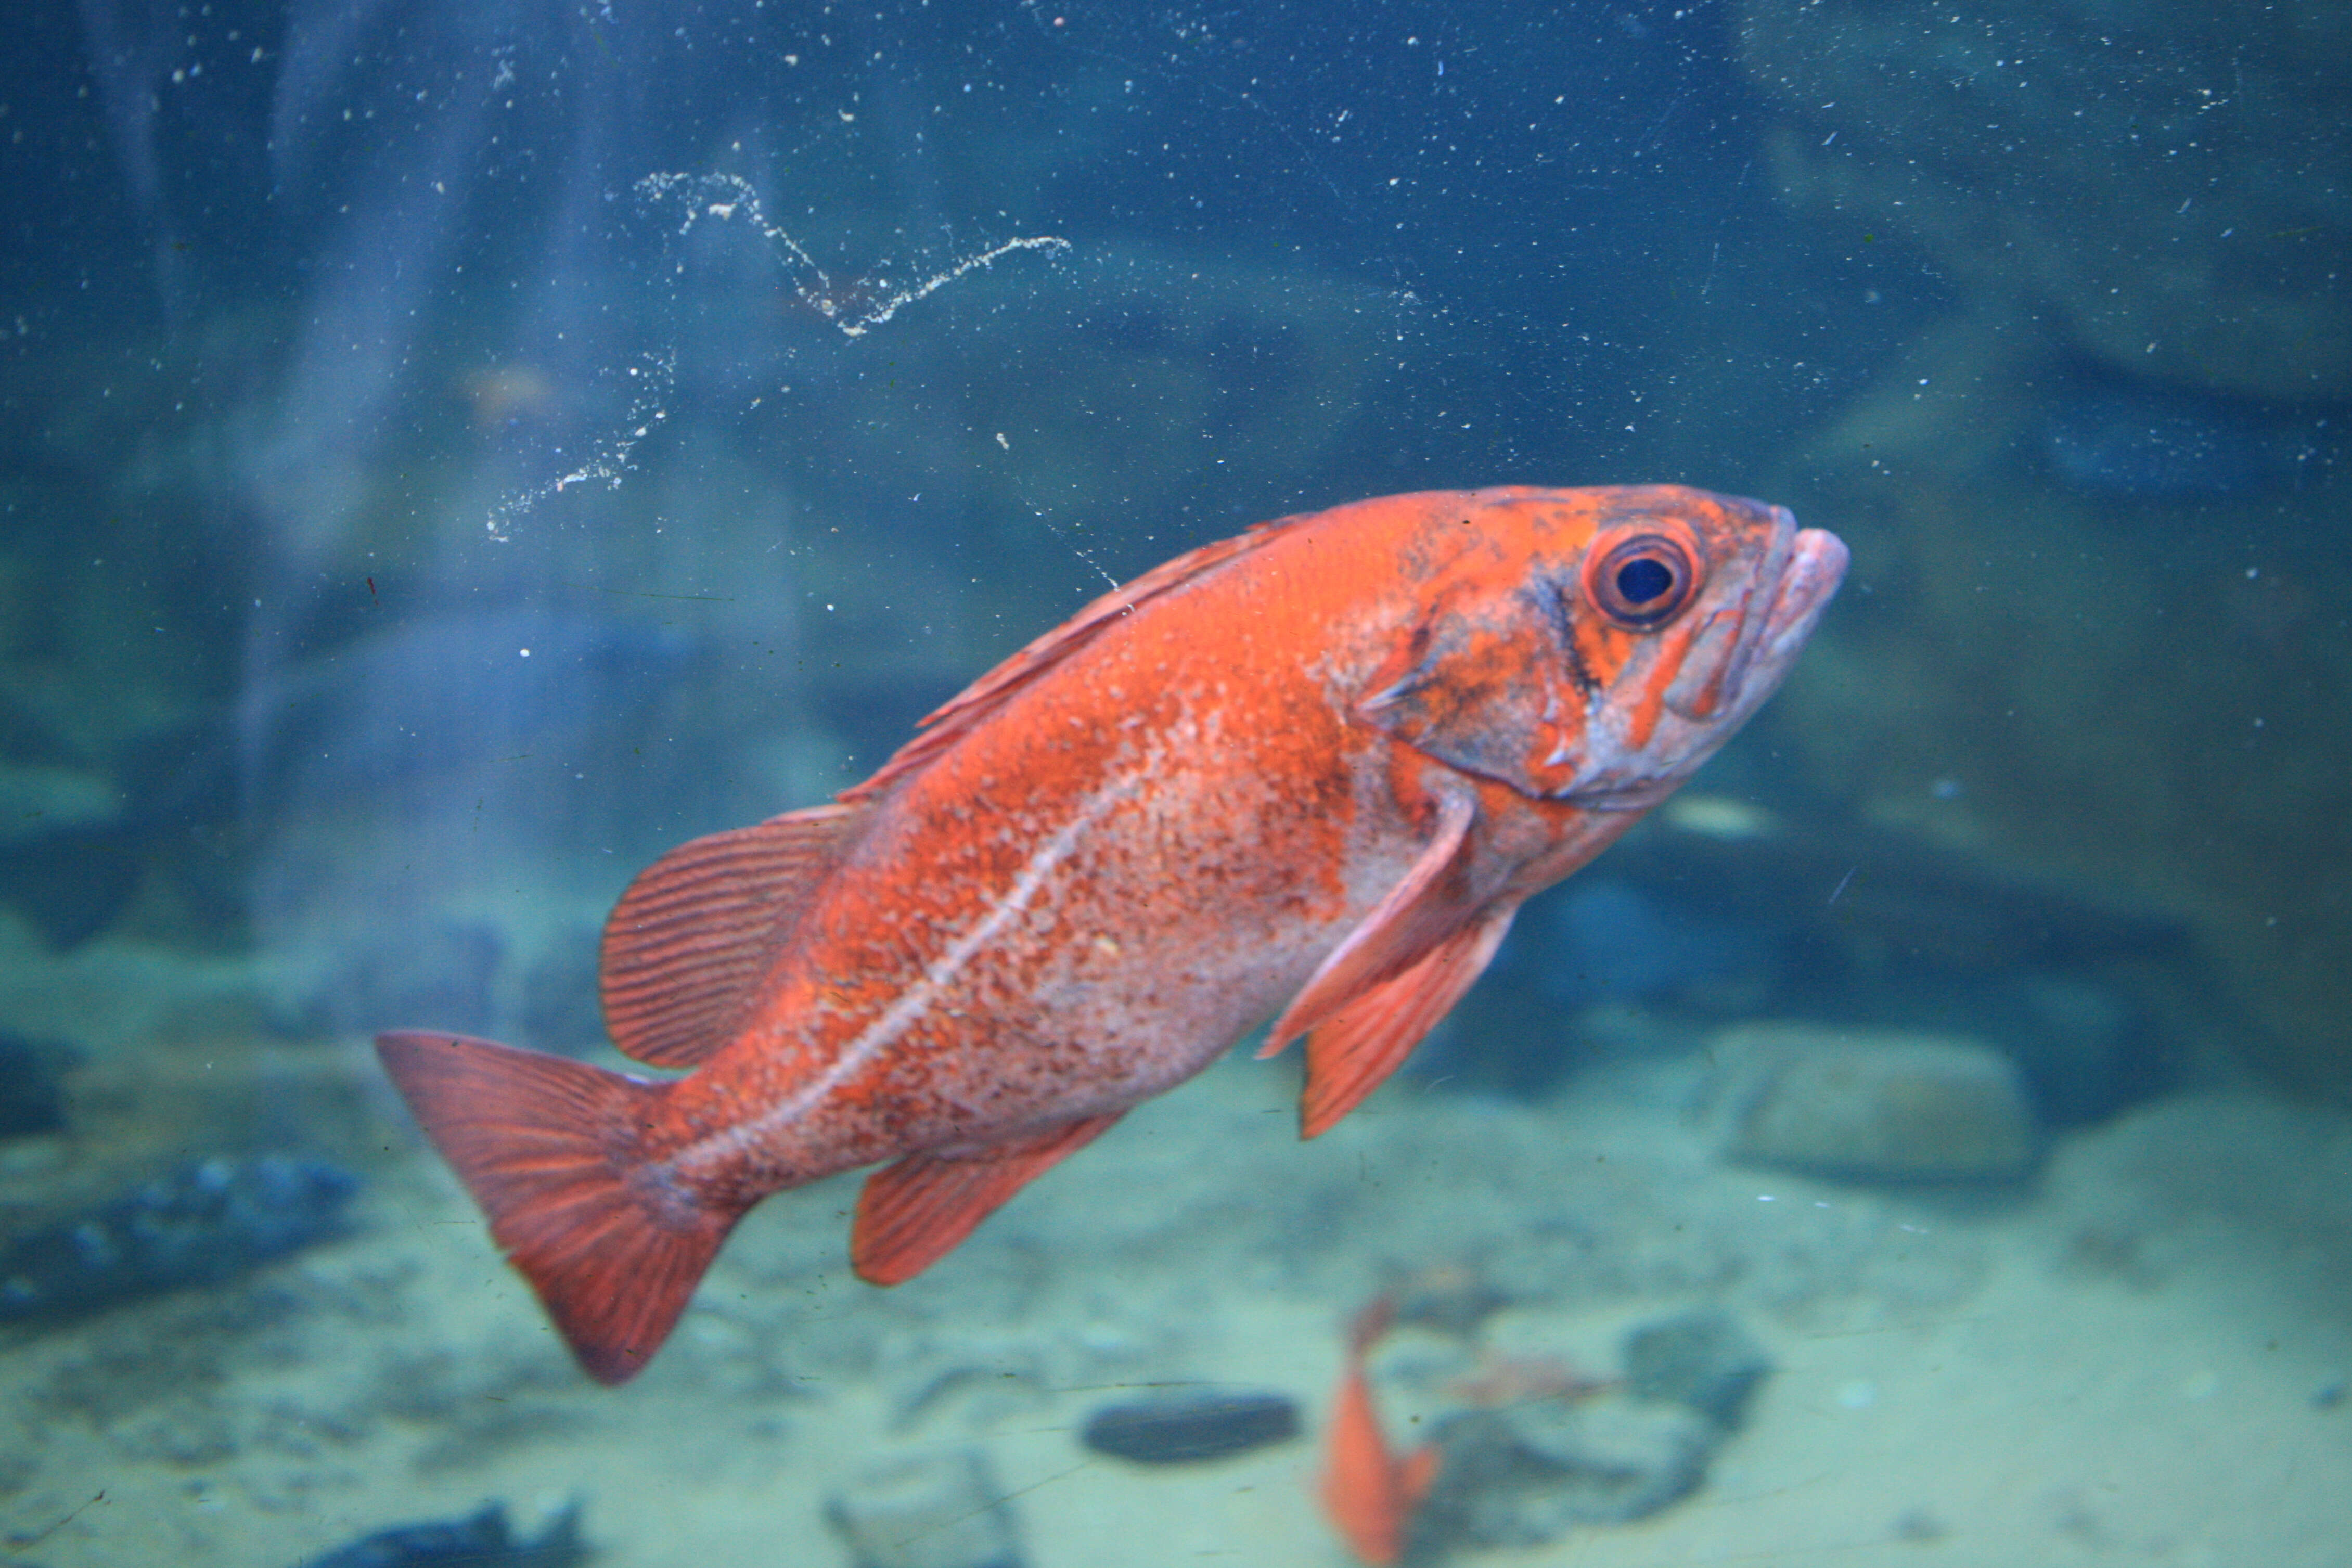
{"points": [[1808, 580], [1741, 660], [1726, 674], [1811, 583]]}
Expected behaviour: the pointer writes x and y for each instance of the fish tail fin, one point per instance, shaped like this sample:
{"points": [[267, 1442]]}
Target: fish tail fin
{"points": [[545, 1144]]}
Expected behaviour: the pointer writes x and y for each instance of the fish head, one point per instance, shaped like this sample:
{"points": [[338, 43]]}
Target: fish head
{"points": [[1595, 646]]}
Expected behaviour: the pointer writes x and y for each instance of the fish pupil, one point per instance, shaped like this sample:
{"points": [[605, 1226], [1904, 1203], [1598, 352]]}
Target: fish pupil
{"points": [[1645, 578]]}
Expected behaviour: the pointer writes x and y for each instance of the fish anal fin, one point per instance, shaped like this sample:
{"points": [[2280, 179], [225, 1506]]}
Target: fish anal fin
{"points": [[1413, 916], [914, 1213], [543, 1142], [687, 946], [961, 714], [1353, 1052]]}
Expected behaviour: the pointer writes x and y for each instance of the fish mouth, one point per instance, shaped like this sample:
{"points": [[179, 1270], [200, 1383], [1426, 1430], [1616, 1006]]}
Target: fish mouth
{"points": [[1812, 565], [1817, 565], [1798, 575]]}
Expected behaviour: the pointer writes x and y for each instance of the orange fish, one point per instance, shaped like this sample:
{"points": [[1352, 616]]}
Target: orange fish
{"points": [[1311, 771], [1370, 1494]]}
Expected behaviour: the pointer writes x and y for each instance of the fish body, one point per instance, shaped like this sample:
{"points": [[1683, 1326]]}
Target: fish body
{"points": [[1371, 1494], [1310, 772]]}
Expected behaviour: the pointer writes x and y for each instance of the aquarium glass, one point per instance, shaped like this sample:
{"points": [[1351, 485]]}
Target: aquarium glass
{"points": [[454, 453]]}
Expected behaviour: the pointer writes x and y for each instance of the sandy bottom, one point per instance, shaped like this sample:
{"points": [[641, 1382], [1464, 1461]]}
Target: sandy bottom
{"points": [[2139, 1358]]}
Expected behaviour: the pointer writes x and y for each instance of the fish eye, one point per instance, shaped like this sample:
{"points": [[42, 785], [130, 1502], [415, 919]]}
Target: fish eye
{"points": [[1644, 579], [1643, 582]]}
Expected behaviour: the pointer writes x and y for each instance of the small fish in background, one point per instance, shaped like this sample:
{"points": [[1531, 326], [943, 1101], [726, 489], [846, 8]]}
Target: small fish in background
{"points": [[1369, 1493], [482, 1540], [204, 1223], [1311, 772]]}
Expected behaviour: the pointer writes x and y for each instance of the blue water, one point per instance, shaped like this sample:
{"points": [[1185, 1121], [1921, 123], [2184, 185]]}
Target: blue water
{"points": [[451, 452]]}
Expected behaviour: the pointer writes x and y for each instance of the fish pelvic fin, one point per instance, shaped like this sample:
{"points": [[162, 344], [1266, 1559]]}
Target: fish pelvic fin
{"points": [[1353, 1052], [545, 1144], [914, 1213], [686, 948]]}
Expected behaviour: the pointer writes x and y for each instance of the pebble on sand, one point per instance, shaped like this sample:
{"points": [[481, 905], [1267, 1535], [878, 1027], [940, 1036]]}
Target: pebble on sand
{"points": [[1184, 1429], [926, 1510]]}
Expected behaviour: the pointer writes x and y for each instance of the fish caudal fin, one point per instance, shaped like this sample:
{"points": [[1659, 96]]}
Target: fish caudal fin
{"points": [[543, 1143], [912, 1214]]}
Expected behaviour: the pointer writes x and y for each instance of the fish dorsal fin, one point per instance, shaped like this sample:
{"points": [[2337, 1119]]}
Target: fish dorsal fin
{"points": [[1351, 1053], [961, 714], [914, 1213], [1416, 914], [687, 946]]}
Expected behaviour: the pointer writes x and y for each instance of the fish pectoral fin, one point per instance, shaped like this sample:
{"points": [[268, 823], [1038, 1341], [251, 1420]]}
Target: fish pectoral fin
{"points": [[1416, 914], [1352, 1054], [914, 1213], [687, 946]]}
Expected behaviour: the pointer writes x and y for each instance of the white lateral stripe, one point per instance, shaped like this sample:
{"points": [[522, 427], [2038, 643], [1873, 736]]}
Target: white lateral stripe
{"points": [[881, 1034]]}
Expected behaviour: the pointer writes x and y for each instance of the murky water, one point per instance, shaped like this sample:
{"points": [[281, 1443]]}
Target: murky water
{"points": [[451, 454]]}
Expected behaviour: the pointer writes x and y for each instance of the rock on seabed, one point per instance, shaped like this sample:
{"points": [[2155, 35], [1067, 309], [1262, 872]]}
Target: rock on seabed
{"points": [[1870, 1105]]}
